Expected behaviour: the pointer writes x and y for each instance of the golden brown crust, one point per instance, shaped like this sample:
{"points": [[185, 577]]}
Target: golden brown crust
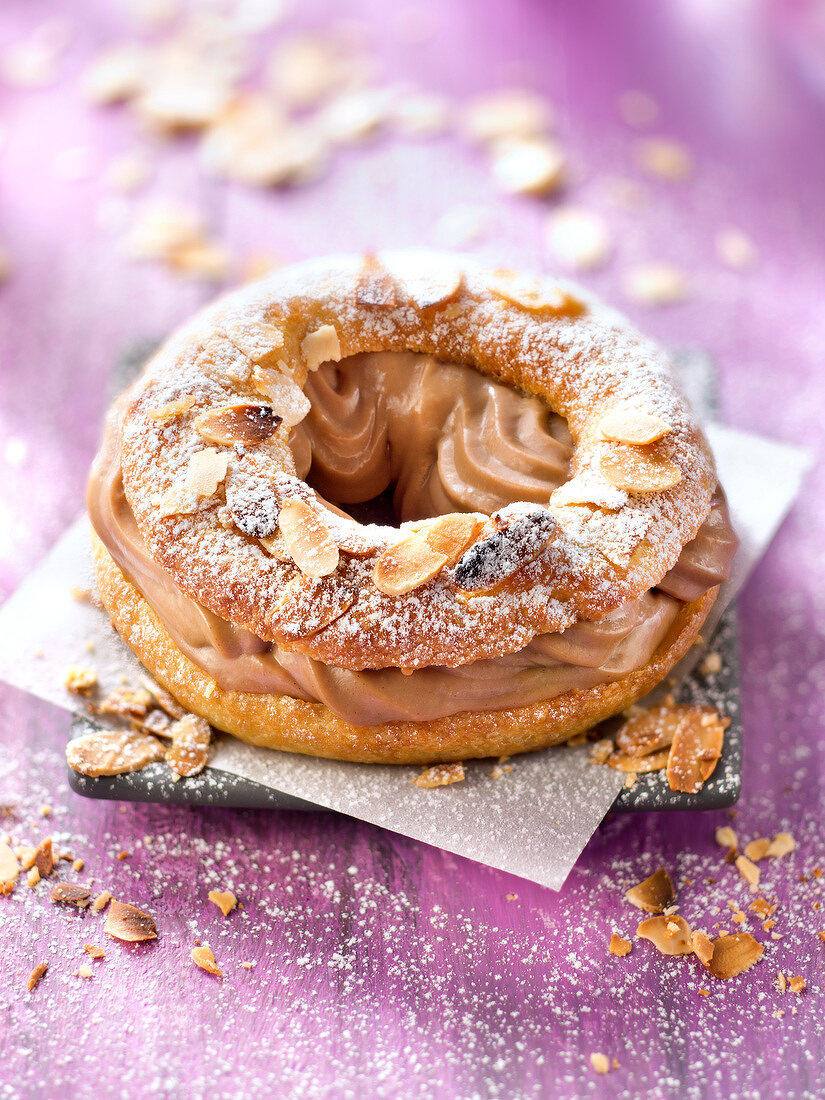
{"points": [[596, 546], [293, 725]]}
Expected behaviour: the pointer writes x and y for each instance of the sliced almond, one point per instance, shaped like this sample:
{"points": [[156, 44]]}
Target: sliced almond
{"points": [[244, 423], [626, 423], [451, 534], [219, 357], [507, 113], [733, 955], [407, 565], [321, 346], [259, 341], [748, 870], [649, 731], [308, 539], [112, 752], [578, 238], [172, 409], [376, 286], [640, 765], [534, 295], [205, 959], [797, 984], [781, 845], [206, 470], [696, 748], [656, 284], [619, 946], [162, 697], [440, 775], [101, 901], [224, 899], [638, 471], [288, 399], [127, 922], [702, 947], [9, 868], [80, 681], [43, 860], [535, 166], [669, 934], [71, 893], [757, 849], [726, 837], [36, 975], [600, 1062], [189, 750], [653, 894], [424, 280], [95, 951]]}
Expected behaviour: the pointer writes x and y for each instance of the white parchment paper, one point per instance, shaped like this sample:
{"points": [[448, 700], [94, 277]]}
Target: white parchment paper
{"points": [[532, 821]]}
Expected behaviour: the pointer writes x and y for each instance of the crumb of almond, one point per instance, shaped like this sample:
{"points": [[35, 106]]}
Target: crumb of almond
{"points": [[36, 975], [511, 897], [440, 775], [205, 959], [600, 1062], [101, 901], [84, 971], [80, 681], [797, 984], [247, 966], [748, 870], [123, 855], [224, 899], [77, 865], [95, 951], [711, 664], [45, 810], [757, 849], [704, 992], [619, 946], [781, 845], [126, 922], [653, 894], [726, 837]]}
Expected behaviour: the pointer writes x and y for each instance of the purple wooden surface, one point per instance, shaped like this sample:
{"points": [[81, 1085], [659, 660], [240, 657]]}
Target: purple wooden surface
{"points": [[383, 968]]}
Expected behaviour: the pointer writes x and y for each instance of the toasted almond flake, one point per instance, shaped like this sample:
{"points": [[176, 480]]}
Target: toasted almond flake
{"points": [[601, 751], [126, 922], [762, 907], [638, 471], [656, 284], [162, 697], [127, 703], [36, 975], [701, 946], [626, 423], [653, 894], [535, 166], [600, 1062], [43, 858], [376, 286], [452, 533], [407, 565], [797, 984], [780, 983], [619, 946], [664, 158], [71, 893], [669, 935], [206, 470], [533, 295], [321, 346], [781, 845], [101, 901], [733, 955], [172, 409], [638, 109], [9, 868], [354, 116], [288, 399], [749, 871], [696, 748], [275, 545], [506, 114], [308, 539], [85, 971], [224, 899], [425, 284], [711, 665], [440, 775], [259, 341], [736, 249], [80, 681], [578, 238], [726, 837], [204, 958], [246, 423], [649, 731], [189, 751], [33, 877], [94, 951], [757, 849], [112, 752]]}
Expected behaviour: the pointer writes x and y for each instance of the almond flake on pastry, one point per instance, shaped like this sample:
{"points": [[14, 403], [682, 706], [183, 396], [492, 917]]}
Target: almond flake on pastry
{"points": [[638, 471], [534, 295], [308, 539], [246, 423], [321, 346], [626, 423]]}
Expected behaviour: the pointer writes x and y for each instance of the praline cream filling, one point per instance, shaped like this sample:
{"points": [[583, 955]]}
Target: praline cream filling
{"points": [[446, 438]]}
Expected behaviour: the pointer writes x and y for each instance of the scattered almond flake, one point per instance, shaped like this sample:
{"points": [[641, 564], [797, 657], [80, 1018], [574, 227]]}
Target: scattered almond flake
{"points": [[653, 894], [506, 114], [781, 845], [628, 423], [162, 697], [701, 946], [101, 901], [175, 236], [780, 983], [664, 158], [126, 922], [356, 115], [619, 946], [726, 837], [79, 594], [735, 249], [797, 984], [440, 775], [511, 897], [288, 399], [247, 966], [123, 855], [600, 1062], [85, 971], [321, 346], [733, 955], [528, 167], [94, 951], [748, 870], [757, 849], [696, 749], [189, 751], [33, 877], [711, 664], [656, 284], [739, 917], [305, 69], [71, 893], [43, 858], [637, 470], [762, 907], [601, 751], [638, 109], [631, 780], [224, 899], [172, 409], [578, 238], [80, 681], [204, 958], [36, 975], [669, 935], [112, 752], [9, 868], [126, 702], [206, 470]]}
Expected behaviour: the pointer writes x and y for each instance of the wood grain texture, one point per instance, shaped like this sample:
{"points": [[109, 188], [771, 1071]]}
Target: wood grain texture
{"points": [[383, 968]]}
